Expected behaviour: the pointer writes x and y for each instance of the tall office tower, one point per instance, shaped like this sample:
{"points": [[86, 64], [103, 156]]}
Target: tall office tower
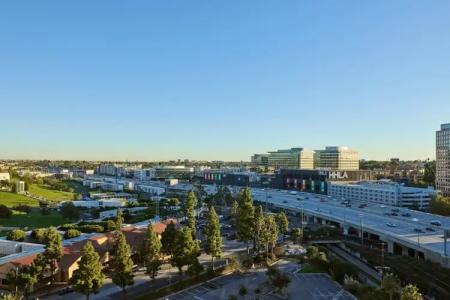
{"points": [[443, 159], [295, 158], [336, 158]]}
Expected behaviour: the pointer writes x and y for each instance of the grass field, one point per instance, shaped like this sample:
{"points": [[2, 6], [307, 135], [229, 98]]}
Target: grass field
{"points": [[52, 195], [34, 219], [12, 199]]}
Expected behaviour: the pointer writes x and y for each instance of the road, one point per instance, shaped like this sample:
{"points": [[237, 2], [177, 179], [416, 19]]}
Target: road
{"points": [[372, 218]]}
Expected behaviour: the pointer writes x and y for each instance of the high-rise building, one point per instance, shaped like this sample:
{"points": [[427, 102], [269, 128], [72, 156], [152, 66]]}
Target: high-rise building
{"points": [[297, 158], [336, 158], [443, 159]]}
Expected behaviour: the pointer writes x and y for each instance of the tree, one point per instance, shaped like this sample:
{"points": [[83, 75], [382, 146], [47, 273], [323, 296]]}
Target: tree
{"points": [[53, 250], [5, 212], [296, 234], [213, 237], [234, 211], [186, 249], [23, 278], [269, 234], [119, 219], [152, 252], [88, 278], [411, 292], [391, 285], [190, 205], [70, 211], [429, 175], [258, 226], [282, 222], [121, 264], [440, 205], [245, 215], [16, 235], [168, 238]]}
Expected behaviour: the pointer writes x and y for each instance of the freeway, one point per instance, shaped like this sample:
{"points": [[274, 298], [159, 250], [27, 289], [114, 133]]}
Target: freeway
{"points": [[373, 218]]}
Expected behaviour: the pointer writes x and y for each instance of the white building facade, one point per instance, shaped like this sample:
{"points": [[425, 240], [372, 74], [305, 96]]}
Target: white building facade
{"points": [[382, 192]]}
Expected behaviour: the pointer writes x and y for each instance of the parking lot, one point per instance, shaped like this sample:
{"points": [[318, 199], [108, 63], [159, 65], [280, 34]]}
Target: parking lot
{"points": [[302, 286], [319, 287], [207, 290]]}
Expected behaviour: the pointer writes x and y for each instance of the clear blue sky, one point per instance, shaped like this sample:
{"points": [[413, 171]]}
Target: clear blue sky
{"points": [[154, 80]]}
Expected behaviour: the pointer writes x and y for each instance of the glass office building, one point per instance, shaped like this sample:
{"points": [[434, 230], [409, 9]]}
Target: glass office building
{"points": [[336, 158], [296, 158], [443, 159]]}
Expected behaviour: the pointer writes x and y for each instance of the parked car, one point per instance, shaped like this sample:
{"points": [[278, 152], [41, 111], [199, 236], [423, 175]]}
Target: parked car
{"points": [[418, 230], [406, 215], [435, 223], [391, 224], [429, 229]]}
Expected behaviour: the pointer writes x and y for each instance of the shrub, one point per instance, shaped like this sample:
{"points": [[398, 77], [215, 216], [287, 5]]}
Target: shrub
{"points": [[278, 251], [22, 208], [242, 291], [38, 235], [72, 233], [16, 235], [69, 211], [5, 212], [66, 227], [339, 269], [90, 228]]}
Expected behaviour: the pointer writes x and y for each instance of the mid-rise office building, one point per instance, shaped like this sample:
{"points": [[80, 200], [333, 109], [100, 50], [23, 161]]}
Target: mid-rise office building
{"points": [[20, 187], [336, 158], [443, 159], [384, 192], [260, 160], [297, 158], [174, 172]]}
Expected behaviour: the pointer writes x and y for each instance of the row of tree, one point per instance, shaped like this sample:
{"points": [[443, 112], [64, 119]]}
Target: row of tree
{"points": [[253, 225]]}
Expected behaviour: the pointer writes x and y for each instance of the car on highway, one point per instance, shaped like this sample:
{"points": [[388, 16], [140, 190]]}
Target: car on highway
{"points": [[429, 229], [390, 224], [394, 214], [435, 223], [362, 205], [395, 210], [418, 230], [406, 215]]}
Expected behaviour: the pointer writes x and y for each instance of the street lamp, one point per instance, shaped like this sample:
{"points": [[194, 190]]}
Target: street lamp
{"points": [[361, 228]]}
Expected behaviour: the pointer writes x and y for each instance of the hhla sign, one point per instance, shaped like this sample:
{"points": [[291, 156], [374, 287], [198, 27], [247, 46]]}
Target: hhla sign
{"points": [[338, 175]]}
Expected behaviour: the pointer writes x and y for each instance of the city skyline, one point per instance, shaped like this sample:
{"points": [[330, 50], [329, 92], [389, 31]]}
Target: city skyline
{"points": [[222, 81]]}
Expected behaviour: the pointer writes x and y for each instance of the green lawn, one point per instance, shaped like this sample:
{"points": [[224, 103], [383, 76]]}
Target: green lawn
{"points": [[34, 219], [308, 268], [48, 193], [12, 199]]}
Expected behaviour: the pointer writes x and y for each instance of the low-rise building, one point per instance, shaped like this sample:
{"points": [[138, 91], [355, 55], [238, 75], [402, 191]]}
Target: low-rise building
{"points": [[5, 176], [384, 192]]}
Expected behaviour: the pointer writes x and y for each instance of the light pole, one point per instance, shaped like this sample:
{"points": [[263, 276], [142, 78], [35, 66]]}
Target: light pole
{"points": [[301, 225], [361, 228]]}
